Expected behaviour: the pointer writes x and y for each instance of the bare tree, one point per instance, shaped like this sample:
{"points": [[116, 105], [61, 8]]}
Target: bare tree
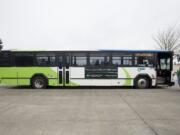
{"points": [[168, 39], [1, 46]]}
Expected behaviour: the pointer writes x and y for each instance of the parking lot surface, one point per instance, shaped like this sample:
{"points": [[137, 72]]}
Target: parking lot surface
{"points": [[90, 111]]}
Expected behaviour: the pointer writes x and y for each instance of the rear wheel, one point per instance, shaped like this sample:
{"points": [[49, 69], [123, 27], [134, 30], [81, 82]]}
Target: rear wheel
{"points": [[142, 83], [39, 82]]}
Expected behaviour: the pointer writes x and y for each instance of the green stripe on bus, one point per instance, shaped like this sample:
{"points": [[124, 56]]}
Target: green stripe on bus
{"points": [[25, 72], [127, 81], [21, 75]]}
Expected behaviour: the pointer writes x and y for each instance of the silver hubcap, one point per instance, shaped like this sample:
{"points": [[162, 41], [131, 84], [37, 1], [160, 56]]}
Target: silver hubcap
{"points": [[38, 83], [142, 83]]}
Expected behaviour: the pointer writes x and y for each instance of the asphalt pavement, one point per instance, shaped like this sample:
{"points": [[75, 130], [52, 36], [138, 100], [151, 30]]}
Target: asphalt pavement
{"points": [[110, 111]]}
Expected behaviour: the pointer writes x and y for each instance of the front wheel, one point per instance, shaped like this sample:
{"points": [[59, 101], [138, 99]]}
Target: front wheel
{"points": [[39, 82], [142, 83]]}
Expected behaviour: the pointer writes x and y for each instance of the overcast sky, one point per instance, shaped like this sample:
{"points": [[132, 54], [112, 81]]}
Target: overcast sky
{"points": [[84, 24]]}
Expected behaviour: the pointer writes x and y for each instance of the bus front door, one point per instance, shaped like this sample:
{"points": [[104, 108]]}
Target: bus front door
{"points": [[164, 68], [63, 70]]}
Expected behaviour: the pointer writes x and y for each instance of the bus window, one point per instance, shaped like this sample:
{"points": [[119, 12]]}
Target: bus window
{"points": [[168, 64], [127, 61], [45, 59], [107, 61], [116, 60], [143, 61], [52, 60], [24, 60], [165, 64], [60, 61], [4, 59], [67, 60], [79, 61], [97, 61], [42, 61]]}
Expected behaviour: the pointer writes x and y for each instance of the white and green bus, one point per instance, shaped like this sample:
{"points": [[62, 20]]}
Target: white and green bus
{"points": [[39, 69]]}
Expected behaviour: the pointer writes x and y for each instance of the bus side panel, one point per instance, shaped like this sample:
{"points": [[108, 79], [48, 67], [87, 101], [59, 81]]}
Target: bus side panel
{"points": [[98, 82], [77, 78], [23, 81], [132, 72], [53, 82], [26, 73], [8, 76], [22, 75], [76, 73]]}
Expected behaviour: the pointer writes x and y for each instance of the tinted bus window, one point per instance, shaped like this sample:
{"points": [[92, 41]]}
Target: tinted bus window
{"points": [[52, 60], [165, 64], [46, 60], [60, 61], [24, 60], [97, 61], [67, 60], [99, 58], [127, 61], [144, 61], [42, 60], [79, 61], [4, 59], [116, 61], [107, 61]]}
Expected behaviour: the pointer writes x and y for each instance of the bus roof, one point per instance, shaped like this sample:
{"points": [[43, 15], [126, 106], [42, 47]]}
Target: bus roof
{"points": [[147, 51], [101, 50]]}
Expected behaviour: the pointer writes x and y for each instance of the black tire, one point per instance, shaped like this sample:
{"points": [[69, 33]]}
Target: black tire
{"points": [[142, 82], [39, 82]]}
